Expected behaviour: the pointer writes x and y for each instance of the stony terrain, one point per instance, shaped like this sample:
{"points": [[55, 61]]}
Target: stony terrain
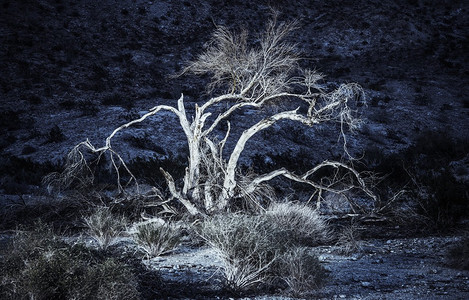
{"points": [[409, 268], [99, 64], [72, 70]]}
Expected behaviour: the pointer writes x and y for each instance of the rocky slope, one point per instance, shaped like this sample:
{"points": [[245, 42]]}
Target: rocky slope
{"points": [[99, 63]]}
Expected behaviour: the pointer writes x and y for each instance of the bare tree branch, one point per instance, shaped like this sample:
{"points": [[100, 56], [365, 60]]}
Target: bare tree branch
{"points": [[251, 77]]}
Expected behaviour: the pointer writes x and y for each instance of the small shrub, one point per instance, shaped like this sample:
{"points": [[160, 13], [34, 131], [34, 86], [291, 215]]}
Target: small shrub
{"points": [[10, 120], [301, 271], [458, 256], [68, 104], [253, 247], [377, 86], [157, 239], [465, 103], [349, 239], [445, 107], [55, 135], [375, 101], [247, 246], [142, 10], [115, 281], [422, 100], [103, 226], [38, 265], [99, 72], [301, 223]]}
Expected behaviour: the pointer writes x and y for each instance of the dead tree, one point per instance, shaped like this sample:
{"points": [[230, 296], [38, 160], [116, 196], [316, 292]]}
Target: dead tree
{"points": [[248, 78]]}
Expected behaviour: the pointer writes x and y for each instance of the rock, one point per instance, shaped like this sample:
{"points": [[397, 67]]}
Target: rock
{"points": [[365, 284]]}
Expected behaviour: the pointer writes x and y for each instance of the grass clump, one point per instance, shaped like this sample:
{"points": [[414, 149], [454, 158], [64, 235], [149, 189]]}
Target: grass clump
{"points": [[302, 224], [301, 271], [157, 239], [38, 265], [103, 226]]}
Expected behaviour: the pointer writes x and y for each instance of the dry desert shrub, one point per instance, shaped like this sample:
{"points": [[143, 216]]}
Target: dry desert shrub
{"points": [[157, 239], [39, 265], [349, 239], [103, 226], [261, 249], [246, 246], [302, 224], [301, 271], [244, 75]]}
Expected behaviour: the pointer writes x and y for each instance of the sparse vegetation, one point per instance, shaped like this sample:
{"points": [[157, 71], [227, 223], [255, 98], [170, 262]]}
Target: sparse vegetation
{"points": [[301, 271], [349, 238], [424, 171], [157, 239], [103, 226], [38, 265], [300, 222], [262, 249], [247, 246]]}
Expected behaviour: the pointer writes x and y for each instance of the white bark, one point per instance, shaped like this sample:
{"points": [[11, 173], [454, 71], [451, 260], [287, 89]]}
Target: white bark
{"points": [[172, 187], [347, 186], [229, 182], [252, 78]]}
